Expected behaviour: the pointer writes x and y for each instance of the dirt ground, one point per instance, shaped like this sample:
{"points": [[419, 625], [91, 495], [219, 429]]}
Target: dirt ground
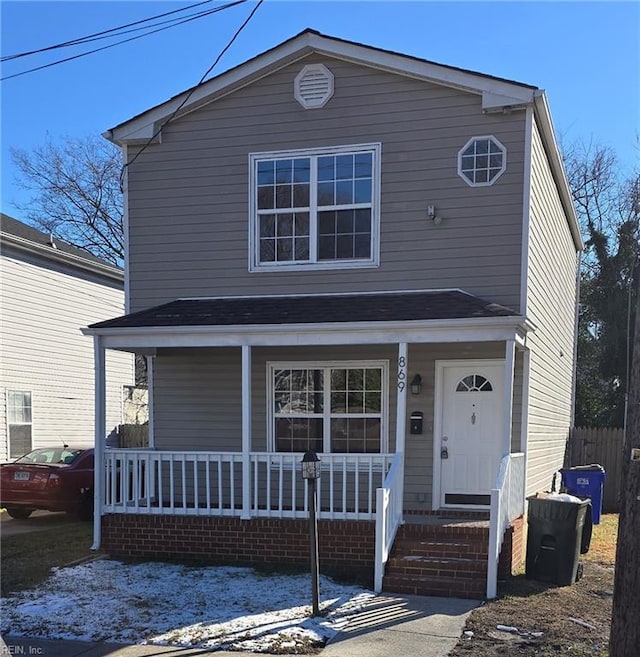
{"points": [[542, 614]]}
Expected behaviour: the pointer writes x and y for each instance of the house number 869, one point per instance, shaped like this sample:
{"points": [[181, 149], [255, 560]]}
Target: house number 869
{"points": [[402, 374]]}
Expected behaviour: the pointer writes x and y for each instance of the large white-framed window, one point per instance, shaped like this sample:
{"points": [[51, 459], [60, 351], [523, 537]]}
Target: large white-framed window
{"points": [[19, 422], [330, 407], [315, 208]]}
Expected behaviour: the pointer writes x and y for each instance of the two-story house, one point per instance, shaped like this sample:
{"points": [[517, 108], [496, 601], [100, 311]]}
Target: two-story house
{"points": [[49, 291], [340, 248]]}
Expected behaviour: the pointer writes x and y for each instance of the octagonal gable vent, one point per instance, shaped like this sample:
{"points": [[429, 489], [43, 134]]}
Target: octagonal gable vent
{"points": [[313, 86]]}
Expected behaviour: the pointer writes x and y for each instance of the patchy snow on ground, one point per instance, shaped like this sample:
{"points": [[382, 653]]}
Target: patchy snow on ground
{"points": [[223, 608]]}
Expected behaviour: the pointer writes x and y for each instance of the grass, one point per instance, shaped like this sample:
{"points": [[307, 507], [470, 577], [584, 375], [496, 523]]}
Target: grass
{"points": [[547, 607], [603, 540], [27, 559]]}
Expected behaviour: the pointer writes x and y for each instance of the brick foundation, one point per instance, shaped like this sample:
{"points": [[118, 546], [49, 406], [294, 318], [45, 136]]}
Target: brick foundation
{"points": [[513, 549], [346, 547]]}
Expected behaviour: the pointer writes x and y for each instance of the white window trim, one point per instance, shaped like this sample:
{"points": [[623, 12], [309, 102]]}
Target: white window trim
{"points": [[254, 243], [335, 364], [8, 391], [502, 148]]}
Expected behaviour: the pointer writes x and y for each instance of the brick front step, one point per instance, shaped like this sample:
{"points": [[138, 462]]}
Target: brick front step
{"points": [[440, 556], [435, 547], [434, 566], [448, 587]]}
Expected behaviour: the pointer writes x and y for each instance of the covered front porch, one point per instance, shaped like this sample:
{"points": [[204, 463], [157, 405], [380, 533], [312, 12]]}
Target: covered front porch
{"points": [[218, 452]]}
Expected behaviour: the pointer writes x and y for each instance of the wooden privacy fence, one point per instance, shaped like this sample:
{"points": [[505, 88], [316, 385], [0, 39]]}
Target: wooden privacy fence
{"points": [[602, 446], [133, 435]]}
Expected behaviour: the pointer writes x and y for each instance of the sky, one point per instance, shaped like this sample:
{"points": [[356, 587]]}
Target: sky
{"points": [[586, 55], [225, 608]]}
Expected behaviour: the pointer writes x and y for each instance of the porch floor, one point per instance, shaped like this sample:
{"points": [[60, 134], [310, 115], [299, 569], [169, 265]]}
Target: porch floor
{"points": [[445, 519]]}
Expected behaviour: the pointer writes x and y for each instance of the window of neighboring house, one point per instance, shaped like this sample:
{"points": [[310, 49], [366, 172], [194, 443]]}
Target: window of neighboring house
{"points": [[338, 407], [19, 422], [315, 209], [481, 161]]}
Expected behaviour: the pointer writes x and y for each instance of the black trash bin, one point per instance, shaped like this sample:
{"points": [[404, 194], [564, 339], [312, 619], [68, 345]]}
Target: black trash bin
{"points": [[558, 532]]}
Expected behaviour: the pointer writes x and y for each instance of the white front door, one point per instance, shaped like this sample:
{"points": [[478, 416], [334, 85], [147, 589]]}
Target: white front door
{"points": [[470, 432]]}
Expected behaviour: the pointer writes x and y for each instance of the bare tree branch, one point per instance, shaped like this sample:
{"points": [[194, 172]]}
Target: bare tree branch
{"points": [[75, 193]]}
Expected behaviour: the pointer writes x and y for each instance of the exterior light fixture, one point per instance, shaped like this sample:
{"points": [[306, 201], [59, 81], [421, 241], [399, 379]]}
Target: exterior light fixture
{"points": [[431, 213], [416, 385], [311, 472], [310, 465]]}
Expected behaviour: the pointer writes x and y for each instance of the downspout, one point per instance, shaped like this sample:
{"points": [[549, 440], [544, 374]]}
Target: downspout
{"points": [[574, 383], [100, 431]]}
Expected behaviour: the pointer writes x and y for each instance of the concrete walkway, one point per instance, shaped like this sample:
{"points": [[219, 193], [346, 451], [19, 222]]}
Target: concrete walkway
{"points": [[390, 625]]}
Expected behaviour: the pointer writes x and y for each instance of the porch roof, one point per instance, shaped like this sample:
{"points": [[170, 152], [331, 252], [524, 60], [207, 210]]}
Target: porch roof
{"points": [[311, 309], [319, 319]]}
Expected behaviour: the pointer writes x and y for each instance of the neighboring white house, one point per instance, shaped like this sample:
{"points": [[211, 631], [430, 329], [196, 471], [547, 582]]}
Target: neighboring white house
{"points": [[49, 290]]}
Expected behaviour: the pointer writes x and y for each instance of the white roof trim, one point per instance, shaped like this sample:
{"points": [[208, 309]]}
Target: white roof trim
{"points": [[55, 255], [543, 115], [496, 93], [489, 329]]}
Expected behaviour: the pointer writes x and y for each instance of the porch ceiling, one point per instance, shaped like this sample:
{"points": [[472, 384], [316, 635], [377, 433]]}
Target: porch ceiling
{"points": [[323, 318]]}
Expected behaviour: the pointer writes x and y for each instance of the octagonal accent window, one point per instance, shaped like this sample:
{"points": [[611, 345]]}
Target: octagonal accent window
{"points": [[481, 161], [313, 86]]}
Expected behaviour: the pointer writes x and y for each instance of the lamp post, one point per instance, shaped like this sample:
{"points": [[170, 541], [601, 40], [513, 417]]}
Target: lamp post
{"points": [[311, 472]]}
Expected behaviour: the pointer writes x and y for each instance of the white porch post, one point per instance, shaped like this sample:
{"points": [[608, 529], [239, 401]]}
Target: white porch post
{"points": [[150, 394], [246, 432], [401, 413], [509, 368], [100, 431], [524, 422]]}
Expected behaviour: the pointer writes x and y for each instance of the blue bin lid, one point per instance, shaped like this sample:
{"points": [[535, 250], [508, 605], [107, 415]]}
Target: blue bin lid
{"points": [[594, 467]]}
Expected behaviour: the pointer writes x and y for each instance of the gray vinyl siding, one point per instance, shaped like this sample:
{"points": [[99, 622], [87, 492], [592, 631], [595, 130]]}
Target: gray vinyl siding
{"points": [[197, 402], [44, 307], [188, 196], [551, 306]]}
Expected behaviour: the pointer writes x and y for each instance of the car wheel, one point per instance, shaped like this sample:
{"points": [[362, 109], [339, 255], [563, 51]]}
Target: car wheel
{"points": [[19, 514], [85, 506]]}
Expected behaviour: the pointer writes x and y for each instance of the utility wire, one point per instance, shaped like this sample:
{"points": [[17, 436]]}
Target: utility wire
{"points": [[172, 21], [92, 37], [134, 38], [190, 93]]}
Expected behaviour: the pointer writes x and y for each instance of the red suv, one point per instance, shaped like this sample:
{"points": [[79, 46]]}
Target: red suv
{"points": [[49, 478]]}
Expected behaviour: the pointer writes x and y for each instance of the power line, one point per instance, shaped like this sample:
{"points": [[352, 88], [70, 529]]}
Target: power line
{"points": [[191, 91], [139, 36], [92, 37]]}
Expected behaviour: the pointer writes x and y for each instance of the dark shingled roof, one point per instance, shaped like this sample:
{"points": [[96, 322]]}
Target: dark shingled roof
{"points": [[311, 309], [12, 226]]}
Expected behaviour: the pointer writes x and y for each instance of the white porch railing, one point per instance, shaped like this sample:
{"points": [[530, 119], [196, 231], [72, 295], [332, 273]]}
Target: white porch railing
{"points": [[210, 483], [507, 503], [388, 518]]}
